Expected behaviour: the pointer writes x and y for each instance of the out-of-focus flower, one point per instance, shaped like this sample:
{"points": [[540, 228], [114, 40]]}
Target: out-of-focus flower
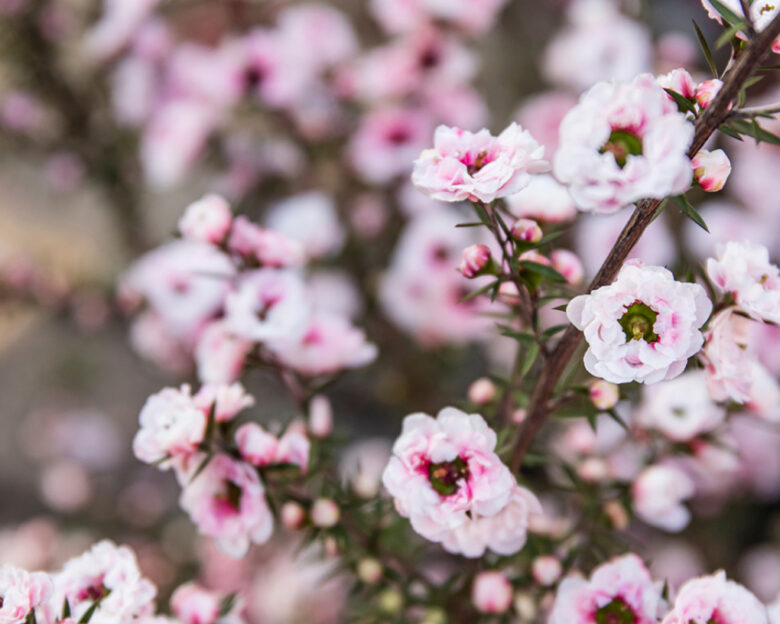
{"points": [[471, 16], [475, 258], [623, 142], [362, 464], [744, 270], [711, 169], [207, 219], [543, 199], [116, 26], [482, 391], [311, 220], [714, 598], [642, 327], [194, 604], [220, 354], [541, 115], [325, 513], [707, 90], [491, 592], [269, 248], [261, 448], [292, 515], [320, 416], [619, 590], [658, 493], [478, 166], [22, 593], [728, 357], [568, 264], [603, 394], [546, 570]]}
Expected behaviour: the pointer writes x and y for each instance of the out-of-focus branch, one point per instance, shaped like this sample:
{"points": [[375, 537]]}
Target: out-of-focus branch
{"points": [[714, 115]]}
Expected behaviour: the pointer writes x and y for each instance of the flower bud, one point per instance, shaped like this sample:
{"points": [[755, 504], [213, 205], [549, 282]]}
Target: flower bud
{"points": [[603, 394], [617, 515], [434, 615], [491, 592], [207, 220], [527, 231], [391, 601], [519, 415], [568, 264], [320, 416], [534, 256], [546, 570], [369, 570], [482, 391], [525, 606], [475, 258], [707, 91], [711, 169], [292, 515], [330, 547], [325, 513], [593, 469]]}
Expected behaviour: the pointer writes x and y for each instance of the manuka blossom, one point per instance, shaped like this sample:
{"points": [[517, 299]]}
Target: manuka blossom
{"points": [[269, 248], [471, 16], [193, 604], [658, 493], [621, 143], [226, 501], [728, 357], [311, 220], [220, 355], [713, 598], [478, 166], [711, 169], [744, 271], [642, 327], [620, 590], [22, 593], [261, 448], [207, 220], [444, 471]]}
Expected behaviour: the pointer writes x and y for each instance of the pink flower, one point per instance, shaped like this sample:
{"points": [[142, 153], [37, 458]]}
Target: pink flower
{"points": [[474, 259], [716, 599], [658, 493], [320, 416], [707, 90], [260, 448], [679, 80], [329, 343], [227, 502], [544, 200], [471, 16], [270, 248], [193, 604], [171, 425], [681, 409], [744, 270], [207, 219], [541, 115], [478, 166], [119, 21], [642, 327], [21, 593], [568, 264], [108, 573], [619, 590], [623, 142], [728, 356], [268, 304], [311, 220], [220, 354], [711, 169], [444, 469], [225, 400], [491, 592]]}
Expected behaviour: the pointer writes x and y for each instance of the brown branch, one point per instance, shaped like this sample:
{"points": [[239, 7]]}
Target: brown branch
{"points": [[715, 114]]}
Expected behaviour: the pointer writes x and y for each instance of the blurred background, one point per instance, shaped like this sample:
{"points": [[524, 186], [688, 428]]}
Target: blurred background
{"points": [[115, 116]]}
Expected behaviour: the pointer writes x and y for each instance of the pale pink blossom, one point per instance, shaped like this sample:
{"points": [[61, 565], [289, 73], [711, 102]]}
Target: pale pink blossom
{"points": [[623, 142], [474, 259], [292, 515], [711, 169], [261, 448], [320, 31], [546, 570], [329, 343], [761, 14], [707, 91], [268, 304], [22, 593], [744, 270], [642, 327], [172, 425], [108, 573], [220, 355], [541, 115], [764, 396], [226, 501], [444, 469], [117, 24], [478, 166], [311, 220], [603, 394], [482, 391], [152, 339], [679, 80], [491, 592], [270, 248], [320, 421], [681, 409], [208, 219], [194, 604], [728, 356], [715, 599], [543, 199], [658, 494], [568, 264], [619, 589], [471, 16], [224, 400]]}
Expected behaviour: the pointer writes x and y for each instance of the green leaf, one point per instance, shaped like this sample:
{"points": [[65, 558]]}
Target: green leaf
{"points": [[753, 129], [541, 269], [530, 358], [472, 224], [729, 132], [690, 212], [201, 467], [727, 12], [728, 35], [476, 293], [89, 612], [65, 609], [683, 103], [705, 48], [562, 307], [549, 333], [523, 337], [227, 604], [659, 210]]}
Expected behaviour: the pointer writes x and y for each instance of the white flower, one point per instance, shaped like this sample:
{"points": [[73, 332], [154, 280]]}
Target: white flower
{"points": [[658, 493], [711, 169], [310, 219], [642, 327], [621, 143], [207, 219]]}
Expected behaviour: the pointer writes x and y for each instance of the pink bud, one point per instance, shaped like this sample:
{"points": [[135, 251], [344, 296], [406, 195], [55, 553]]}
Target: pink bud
{"points": [[546, 570], [568, 264], [491, 592], [325, 513], [534, 256], [603, 394], [519, 415], [711, 169], [256, 445], [482, 391], [593, 470], [320, 416], [207, 219], [707, 91], [617, 515], [369, 570], [475, 258], [292, 515], [526, 230], [679, 80]]}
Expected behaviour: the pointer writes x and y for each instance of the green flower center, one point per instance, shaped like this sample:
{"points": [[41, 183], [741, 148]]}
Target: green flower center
{"points": [[616, 612], [638, 322], [621, 143], [444, 476]]}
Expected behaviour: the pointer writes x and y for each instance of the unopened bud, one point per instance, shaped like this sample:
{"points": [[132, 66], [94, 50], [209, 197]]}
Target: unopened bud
{"points": [[711, 169], [482, 391], [527, 231], [320, 416], [617, 515], [391, 601], [491, 592], [593, 470], [330, 547], [434, 615], [546, 570], [292, 515], [207, 220], [519, 416], [475, 258], [325, 513], [369, 571], [525, 606], [568, 264], [534, 256], [603, 394], [707, 91]]}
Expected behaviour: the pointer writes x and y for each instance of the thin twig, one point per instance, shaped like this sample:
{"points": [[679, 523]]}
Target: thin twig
{"points": [[716, 113]]}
